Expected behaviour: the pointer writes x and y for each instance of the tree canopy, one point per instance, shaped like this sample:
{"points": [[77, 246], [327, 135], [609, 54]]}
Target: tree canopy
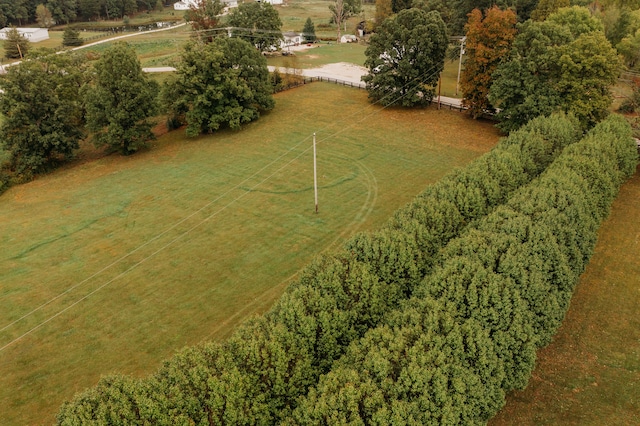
{"points": [[564, 63], [223, 83], [405, 57], [488, 40], [258, 23], [120, 101], [42, 112]]}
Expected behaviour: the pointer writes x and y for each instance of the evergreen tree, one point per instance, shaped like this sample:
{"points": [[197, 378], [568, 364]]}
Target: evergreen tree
{"points": [[71, 37], [309, 31], [15, 45]]}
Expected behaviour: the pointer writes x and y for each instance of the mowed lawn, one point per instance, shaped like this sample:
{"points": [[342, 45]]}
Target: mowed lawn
{"points": [[111, 265], [590, 373]]}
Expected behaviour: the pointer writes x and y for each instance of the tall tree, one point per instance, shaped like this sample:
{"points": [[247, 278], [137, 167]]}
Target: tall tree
{"points": [[63, 10], [257, 23], [342, 10], [205, 18], [546, 8], [223, 83], [120, 101], [15, 45], [44, 17], [42, 114], [309, 31], [488, 41], [383, 10], [71, 37], [405, 58], [564, 63]]}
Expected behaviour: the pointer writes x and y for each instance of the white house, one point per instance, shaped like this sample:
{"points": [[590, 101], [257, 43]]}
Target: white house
{"points": [[188, 4], [271, 2], [291, 38], [34, 35]]}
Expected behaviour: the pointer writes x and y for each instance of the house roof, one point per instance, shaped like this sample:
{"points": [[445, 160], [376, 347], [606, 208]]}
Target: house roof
{"points": [[23, 30]]}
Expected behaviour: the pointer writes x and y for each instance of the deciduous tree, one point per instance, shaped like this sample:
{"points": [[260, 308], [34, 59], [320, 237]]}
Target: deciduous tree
{"points": [[205, 18], [488, 41], [257, 23], [405, 58], [120, 101], [564, 63], [223, 83], [42, 114], [546, 8]]}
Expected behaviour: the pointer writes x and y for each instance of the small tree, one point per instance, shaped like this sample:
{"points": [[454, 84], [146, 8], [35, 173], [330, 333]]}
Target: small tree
{"points": [[44, 17], [71, 37], [120, 101], [15, 45], [309, 31]]}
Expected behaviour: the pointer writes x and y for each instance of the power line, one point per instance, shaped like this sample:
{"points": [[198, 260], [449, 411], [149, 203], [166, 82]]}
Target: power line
{"points": [[418, 81]]}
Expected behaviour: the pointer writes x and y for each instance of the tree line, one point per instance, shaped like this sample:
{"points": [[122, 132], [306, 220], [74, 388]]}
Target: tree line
{"points": [[260, 373], [497, 293], [23, 12]]}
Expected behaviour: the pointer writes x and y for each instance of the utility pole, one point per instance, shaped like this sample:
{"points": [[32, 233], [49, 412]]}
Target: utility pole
{"points": [[462, 41], [315, 174]]}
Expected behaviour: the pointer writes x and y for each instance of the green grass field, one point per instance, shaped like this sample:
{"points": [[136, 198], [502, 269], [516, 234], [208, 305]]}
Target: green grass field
{"points": [[139, 256]]}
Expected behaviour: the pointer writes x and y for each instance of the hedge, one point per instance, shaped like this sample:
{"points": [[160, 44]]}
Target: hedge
{"points": [[498, 292], [257, 376]]}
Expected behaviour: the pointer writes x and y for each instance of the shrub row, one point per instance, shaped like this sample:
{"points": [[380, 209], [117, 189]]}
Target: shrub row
{"points": [[257, 375], [499, 291]]}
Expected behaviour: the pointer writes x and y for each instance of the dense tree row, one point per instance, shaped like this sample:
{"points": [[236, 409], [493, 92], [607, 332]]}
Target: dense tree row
{"points": [[497, 294], [23, 12], [270, 361]]}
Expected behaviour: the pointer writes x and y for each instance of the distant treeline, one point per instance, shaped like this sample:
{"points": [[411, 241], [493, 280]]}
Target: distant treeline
{"points": [[396, 328], [23, 12]]}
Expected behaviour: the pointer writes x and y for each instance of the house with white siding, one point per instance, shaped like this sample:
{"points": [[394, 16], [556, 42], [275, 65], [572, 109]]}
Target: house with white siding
{"points": [[34, 35]]}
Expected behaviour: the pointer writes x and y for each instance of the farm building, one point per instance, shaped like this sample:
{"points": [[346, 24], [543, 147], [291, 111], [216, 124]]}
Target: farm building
{"points": [[34, 35], [292, 38]]}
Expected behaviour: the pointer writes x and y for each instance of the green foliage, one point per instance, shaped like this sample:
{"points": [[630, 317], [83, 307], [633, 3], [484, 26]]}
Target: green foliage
{"points": [[205, 19], [261, 371], [120, 101], [42, 114], [405, 58], [488, 41], [71, 37], [258, 23], [15, 45], [564, 63], [499, 292], [546, 8], [223, 83], [309, 31]]}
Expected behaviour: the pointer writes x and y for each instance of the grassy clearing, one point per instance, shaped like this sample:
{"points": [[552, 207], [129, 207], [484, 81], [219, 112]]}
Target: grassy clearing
{"points": [[295, 13], [590, 373], [208, 230]]}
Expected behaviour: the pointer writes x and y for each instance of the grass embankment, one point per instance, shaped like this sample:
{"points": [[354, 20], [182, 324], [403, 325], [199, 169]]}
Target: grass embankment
{"points": [[590, 373], [118, 227]]}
